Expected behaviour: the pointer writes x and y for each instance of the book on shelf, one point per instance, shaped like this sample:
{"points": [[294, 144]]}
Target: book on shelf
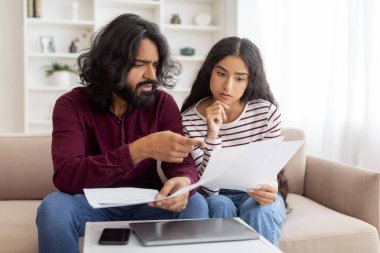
{"points": [[30, 8], [33, 8], [37, 9]]}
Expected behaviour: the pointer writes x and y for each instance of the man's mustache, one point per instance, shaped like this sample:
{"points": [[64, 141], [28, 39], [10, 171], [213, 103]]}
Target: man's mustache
{"points": [[154, 83]]}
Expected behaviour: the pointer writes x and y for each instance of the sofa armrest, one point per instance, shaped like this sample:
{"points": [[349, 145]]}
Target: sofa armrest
{"points": [[26, 167], [343, 188]]}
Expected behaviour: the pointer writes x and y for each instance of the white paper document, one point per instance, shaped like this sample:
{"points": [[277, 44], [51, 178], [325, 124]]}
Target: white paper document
{"points": [[244, 167], [241, 168], [124, 196]]}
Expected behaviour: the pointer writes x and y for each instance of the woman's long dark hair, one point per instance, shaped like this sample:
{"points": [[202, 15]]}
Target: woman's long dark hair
{"points": [[105, 67], [258, 87]]}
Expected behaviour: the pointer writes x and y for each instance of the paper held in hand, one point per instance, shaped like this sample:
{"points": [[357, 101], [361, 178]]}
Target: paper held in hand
{"points": [[241, 167]]}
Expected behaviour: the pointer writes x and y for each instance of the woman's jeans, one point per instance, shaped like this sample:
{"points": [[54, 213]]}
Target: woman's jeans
{"points": [[61, 218], [267, 220]]}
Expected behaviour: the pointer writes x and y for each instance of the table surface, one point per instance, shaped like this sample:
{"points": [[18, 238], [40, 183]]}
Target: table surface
{"points": [[94, 229]]}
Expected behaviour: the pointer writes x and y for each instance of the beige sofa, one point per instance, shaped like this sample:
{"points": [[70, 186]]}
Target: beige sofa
{"points": [[335, 207]]}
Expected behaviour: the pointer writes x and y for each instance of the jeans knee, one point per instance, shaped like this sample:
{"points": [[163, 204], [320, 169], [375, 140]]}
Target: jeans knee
{"points": [[255, 212], [198, 206], [267, 220], [275, 211], [54, 208], [198, 200], [220, 206], [219, 200]]}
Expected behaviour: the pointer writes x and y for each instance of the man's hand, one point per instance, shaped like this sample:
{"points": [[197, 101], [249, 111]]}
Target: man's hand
{"points": [[264, 194], [163, 146], [175, 204]]}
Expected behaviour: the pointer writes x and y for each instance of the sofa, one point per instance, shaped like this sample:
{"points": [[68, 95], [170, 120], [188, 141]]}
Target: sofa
{"points": [[335, 207]]}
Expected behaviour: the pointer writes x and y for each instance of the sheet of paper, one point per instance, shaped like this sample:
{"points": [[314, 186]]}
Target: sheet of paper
{"points": [[124, 196], [241, 167], [190, 187], [244, 167]]}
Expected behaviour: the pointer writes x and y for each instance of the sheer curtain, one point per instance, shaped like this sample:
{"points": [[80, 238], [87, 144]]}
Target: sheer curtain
{"points": [[322, 59]]}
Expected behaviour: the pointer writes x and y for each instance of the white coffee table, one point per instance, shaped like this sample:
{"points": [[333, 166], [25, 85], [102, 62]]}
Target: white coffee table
{"points": [[94, 229]]}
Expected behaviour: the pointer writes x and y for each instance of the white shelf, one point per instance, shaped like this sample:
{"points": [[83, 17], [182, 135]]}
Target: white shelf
{"points": [[195, 1], [145, 4], [51, 89], [178, 89], [54, 55], [195, 28], [193, 58], [60, 22], [40, 122]]}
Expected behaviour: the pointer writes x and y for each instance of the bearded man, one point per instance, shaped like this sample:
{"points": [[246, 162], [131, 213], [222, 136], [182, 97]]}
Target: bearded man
{"points": [[112, 132]]}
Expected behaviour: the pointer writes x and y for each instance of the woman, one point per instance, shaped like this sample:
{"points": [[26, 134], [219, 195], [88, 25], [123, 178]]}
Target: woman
{"points": [[231, 104]]}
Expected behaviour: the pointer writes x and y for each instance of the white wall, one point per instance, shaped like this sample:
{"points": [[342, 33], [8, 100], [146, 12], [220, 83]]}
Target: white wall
{"points": [[11, 67], [244, 10]]}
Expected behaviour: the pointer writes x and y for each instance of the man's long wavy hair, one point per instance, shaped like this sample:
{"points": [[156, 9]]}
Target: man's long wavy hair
{"points": [[104, 68], [258, 87]]}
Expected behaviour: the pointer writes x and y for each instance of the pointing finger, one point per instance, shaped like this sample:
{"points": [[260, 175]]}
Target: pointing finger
{"points": [[197, 143]]}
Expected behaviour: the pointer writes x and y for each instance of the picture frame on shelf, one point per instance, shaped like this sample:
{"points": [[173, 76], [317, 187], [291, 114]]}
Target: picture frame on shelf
{"points": [[203, 19], [47, 44]]}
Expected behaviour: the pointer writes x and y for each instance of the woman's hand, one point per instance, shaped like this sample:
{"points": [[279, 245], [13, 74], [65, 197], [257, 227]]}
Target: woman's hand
{"points": [[264, 194], [215, 115]]}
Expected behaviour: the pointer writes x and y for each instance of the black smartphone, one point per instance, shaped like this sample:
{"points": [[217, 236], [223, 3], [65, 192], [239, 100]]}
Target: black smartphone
{"points": [[114, 236]]}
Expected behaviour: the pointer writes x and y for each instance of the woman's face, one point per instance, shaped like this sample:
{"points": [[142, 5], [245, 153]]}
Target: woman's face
{"points": [[229, 79]]}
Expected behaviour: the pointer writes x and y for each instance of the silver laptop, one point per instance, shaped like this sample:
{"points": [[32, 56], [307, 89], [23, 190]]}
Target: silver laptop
{"points": [[191, 231]]}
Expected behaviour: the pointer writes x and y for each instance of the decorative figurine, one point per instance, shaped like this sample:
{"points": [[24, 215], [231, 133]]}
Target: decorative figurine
{"points": [[73, 47], [175, 19]]}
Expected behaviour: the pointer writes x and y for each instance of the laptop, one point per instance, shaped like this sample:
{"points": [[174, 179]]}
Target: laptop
{"points": [[192, 231]]}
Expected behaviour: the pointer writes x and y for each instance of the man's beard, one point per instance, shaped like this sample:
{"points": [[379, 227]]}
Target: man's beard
{"points": [[142, 100]]}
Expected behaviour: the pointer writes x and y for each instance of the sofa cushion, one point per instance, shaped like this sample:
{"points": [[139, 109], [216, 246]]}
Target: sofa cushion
{"points": [[295, 168], [26, 167], [18, 231], [311, 227]]}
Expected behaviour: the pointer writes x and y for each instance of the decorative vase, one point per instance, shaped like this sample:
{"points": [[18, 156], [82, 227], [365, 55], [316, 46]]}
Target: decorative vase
{"points": [[187, 51], [175, 19], [61, 78]]}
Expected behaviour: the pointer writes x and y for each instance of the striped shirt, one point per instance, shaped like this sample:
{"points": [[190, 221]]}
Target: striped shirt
{"points": [[259, 120]]}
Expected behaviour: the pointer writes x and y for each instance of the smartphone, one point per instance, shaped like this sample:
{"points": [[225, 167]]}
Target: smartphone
{"points": [[114, 236]]}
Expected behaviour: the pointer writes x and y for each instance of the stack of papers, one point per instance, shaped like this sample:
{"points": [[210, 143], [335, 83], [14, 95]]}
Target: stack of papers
{"points": [[241, 168]]}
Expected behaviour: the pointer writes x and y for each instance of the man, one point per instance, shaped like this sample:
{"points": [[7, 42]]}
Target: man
{"points": [[112, 132]]}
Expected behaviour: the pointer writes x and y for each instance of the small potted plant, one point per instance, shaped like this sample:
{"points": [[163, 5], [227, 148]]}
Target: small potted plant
{"points": [[60, 73]]}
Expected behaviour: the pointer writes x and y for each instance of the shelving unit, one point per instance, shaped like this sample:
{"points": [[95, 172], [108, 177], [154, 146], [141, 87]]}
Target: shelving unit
{"points": [[58, 21], [53, 55]]}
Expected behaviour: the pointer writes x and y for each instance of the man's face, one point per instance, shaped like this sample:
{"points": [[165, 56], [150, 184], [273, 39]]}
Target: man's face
{"points": [[141, 82]]}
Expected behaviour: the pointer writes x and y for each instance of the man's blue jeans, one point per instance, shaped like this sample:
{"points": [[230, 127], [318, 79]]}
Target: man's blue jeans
{"points": [[61, 218], [267, 220]]}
